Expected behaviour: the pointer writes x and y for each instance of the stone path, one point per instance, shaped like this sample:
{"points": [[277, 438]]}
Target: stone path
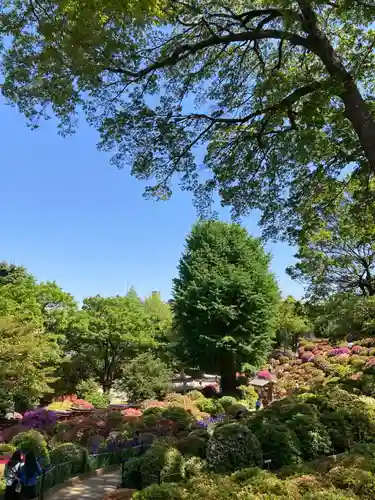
{"points": [[93, 488]]}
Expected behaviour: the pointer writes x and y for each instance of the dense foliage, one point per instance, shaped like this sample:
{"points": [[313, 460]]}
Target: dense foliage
{"points": [[145, 377], [224, 300]]}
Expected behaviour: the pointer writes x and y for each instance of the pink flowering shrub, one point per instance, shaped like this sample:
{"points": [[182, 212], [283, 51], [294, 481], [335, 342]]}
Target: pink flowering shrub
{"points": [[131, 412], [370, 363], [265, 374], [356, 349], [307, 357], [338, 351]]}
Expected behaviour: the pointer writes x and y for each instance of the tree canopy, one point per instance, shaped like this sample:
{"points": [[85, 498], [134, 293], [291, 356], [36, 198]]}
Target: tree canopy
{"points": [[114, 329], [280, 93], [224, 300], [28, 359], [292, 322], [338, 255]]}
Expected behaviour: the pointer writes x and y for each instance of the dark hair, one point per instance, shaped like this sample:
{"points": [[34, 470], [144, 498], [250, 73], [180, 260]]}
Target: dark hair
{"points": [[31, 465], [15, 459]]}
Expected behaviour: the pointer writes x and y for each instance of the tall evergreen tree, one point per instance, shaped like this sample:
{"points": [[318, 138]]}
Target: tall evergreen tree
{"points": [[224, 300]]}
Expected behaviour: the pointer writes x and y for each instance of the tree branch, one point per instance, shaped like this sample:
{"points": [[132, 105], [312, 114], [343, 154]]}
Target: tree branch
{"points": [[183, 51], [284, 104]]}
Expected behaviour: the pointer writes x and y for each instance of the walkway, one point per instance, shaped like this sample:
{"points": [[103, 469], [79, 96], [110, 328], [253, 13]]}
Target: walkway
{"points": [[93, 488]]}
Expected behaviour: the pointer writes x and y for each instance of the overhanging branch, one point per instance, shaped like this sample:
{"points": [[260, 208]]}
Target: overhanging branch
{"points": [[185, 50]]}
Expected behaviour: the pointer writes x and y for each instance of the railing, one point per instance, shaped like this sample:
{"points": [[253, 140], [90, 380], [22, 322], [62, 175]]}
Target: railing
{"points": [[62, 472]]}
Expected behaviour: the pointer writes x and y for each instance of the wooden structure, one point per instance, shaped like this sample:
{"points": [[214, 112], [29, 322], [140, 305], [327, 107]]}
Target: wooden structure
{"points": [[264, 388]]}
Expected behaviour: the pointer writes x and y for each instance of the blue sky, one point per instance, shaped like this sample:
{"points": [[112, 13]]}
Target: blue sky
{"points": [[69, 216]]}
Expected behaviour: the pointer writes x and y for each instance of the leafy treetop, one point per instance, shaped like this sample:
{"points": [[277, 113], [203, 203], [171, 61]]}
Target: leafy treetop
{"points": [[224, 300], [280, 92], [338, 255]]}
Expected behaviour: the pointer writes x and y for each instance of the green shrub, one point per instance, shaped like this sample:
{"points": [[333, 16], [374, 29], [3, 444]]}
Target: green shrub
{"points": [[89, 390], [211, 406], [227, 401], [279, 444], [360, 481], [349, 419], [32, 440], [192, 446], [115, 420], [236, 408], [211, 487], [162, 462], [69, 452], [243, 476], [329, 494], [6, 449], [160, 492], [153, 415], [313, 436], [231, 447], [195, 395], [249, 394], [194, 466], [182, 418], [145, 377], [131, 474], [98, 399], [201, 433]]}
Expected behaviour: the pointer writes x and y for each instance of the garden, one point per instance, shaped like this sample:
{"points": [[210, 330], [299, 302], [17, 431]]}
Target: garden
{"points": [[314, 437]]}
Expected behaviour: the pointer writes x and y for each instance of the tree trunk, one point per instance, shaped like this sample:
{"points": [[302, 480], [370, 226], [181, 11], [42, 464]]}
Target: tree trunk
{"points": [[229, 382], [356, 109]]}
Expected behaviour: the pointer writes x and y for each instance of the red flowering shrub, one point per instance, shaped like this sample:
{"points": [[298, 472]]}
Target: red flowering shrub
{"points": [[356, 349]]}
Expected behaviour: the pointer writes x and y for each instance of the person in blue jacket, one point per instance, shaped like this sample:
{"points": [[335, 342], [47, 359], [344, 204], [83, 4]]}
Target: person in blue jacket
{"points": [[29, 475], [12, 474]]}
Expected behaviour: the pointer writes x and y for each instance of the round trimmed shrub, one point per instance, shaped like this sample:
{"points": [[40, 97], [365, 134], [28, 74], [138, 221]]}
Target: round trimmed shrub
{"points": [[153, 415], [201, 433], [227, 401], [131, 474], [6, 449], [194, 466], [32, 440], [313, 436], [162, 462], [160, 492], [237, 408], [182, 418], [211, 406], [192, 446], [195, 395], [231, 447], [279, 444], [69, 452], [360, 481]]}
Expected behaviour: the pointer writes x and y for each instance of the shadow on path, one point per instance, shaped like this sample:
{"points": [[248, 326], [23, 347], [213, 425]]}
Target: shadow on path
{"points": [[93, 488]]}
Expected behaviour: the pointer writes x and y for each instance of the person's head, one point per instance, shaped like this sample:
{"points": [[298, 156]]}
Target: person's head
{"points": [[15, 459], [31, 466]]}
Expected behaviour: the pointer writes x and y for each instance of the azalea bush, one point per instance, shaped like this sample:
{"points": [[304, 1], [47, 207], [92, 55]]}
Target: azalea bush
{"points": [[69, 452], [39, 419], [231, 447], [32, 440]]}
